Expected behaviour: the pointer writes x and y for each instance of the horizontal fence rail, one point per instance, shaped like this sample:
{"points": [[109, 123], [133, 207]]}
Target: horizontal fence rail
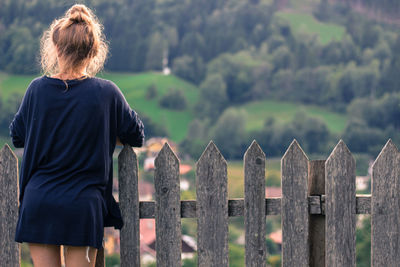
{"points": [[316, 205], [318, 208]]}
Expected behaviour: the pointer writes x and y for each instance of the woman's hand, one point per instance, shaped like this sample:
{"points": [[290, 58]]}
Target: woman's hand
{"points": [[119, 142]]}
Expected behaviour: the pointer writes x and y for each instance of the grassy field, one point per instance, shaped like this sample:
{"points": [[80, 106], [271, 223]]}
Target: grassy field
{"points": [[134, 87], [236, 178], [258, 112], [301, 22]]}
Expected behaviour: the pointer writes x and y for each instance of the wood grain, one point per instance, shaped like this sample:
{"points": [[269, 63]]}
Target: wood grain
{"points": [[129, 204], [9, 249], [340, 207], [316, 205], [254, 206], [316, 187], [168, 220], [385, 202], [295, 215], [212, 209]]}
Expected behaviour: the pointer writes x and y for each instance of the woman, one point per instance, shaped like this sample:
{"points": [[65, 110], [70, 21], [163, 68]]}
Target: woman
{"points": [[68, 123]]}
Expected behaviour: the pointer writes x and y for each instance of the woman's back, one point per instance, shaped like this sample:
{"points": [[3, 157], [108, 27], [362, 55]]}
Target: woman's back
{"points": [[69, 135], [68, 124]]}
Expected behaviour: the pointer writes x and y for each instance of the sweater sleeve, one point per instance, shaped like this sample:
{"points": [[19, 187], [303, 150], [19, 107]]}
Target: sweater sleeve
{"points": [[130, 128], [18, 125]]}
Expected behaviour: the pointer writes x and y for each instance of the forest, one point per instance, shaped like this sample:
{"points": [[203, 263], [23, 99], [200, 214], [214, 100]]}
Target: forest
{"points": [[241, 55], [238, 52]]}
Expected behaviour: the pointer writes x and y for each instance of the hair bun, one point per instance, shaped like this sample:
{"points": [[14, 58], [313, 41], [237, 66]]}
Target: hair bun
{"points": [[79, 14]]}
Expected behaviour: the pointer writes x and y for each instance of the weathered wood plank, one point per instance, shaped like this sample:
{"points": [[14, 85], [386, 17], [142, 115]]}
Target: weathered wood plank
{"points": [[340, 207], [129, 204], [316, 187], [385, 202], [316, 205], [212, 209], [363, 204], [100, 258], [254, 206], [9, 193], [295, 214], [168, 220]]}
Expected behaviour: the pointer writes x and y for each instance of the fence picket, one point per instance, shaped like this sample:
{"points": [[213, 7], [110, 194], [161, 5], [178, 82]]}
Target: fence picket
{"points": [[9, 249], [129, 204], [100, 258], [254, 207], [385, 207], [168, 208], [316, 187], [295, 214], [340, 207], [212, 209]]}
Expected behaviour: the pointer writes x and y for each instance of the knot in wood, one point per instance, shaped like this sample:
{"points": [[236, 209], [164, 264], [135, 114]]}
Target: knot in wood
{"points": [[164, 190]]}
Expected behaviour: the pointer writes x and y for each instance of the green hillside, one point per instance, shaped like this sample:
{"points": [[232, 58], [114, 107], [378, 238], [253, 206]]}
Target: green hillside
{"points": [[301, 22], [258, 112], [134, 87]]}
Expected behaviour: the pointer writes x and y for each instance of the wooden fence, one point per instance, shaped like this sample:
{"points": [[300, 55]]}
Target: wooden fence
{"points": [[318, 208]]}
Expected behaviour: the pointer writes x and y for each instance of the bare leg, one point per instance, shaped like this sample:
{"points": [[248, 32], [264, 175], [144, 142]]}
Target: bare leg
{"points": [[44, 255], [80, 256]]}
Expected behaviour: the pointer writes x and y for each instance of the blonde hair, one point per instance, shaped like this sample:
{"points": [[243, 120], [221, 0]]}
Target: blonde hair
{"points": [[78, 39]]}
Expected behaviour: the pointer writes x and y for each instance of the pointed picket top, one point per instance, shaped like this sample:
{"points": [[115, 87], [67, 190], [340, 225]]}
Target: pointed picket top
{"points": [[127, 152], [255, 151], [340, 207], [254, 206], [389, 150], [7, 152], [166, 153], [211, 151], [294, 150], [212, 208], [168, 208], [294, 202], [340, 150], [385, 207]]}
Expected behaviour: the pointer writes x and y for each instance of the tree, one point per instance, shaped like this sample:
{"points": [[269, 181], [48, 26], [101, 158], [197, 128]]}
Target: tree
{"points": [[174, 99], [151, 92], [229, 133], [155, 54], [213, 97], [189, 68]]}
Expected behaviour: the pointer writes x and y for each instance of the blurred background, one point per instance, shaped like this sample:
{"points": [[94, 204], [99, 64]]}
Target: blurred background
{"points": [[233, 71]]}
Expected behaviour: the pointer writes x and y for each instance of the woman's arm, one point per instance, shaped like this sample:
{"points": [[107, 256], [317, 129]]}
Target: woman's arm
{"points": [[130, 129]]}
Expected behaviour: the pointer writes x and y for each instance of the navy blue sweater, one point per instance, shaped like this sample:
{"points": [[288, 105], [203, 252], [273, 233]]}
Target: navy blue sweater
{"points": [[69, 136]]}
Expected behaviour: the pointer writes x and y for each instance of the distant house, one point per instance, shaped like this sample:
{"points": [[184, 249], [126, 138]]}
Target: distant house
{"points": [[362, 182], [111, 241], [155, 144], [148, 242], [276, 237], [273, 191], [146, 190]]}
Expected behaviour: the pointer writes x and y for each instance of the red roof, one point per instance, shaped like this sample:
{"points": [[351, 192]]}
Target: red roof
{"points": [[273, 191], [147, 231], [276, 236], [145, 189]]}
